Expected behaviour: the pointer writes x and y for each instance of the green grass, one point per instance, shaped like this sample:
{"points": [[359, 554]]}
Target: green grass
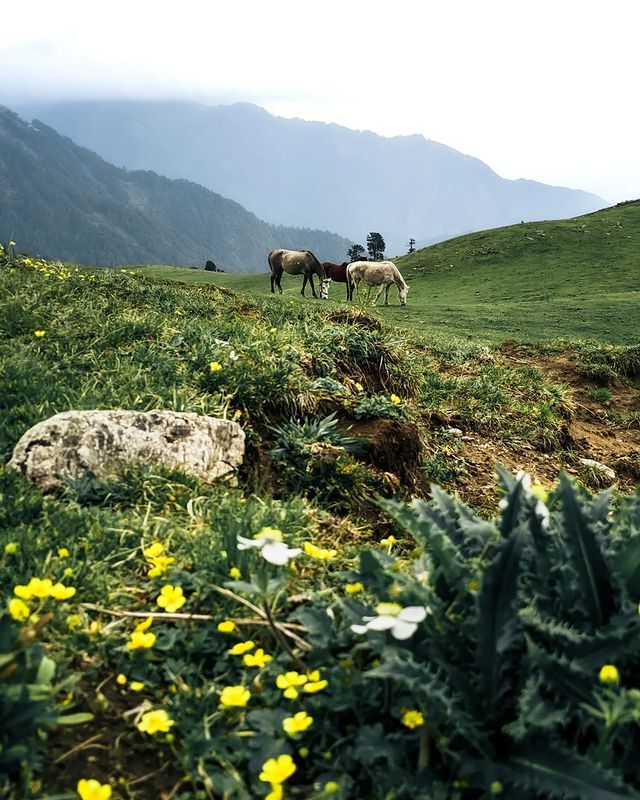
{"points": [[535, 282]]}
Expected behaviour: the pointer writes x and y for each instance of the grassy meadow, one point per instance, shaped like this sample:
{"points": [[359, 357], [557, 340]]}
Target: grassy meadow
{"points": [[436, 629], [534, 282]]}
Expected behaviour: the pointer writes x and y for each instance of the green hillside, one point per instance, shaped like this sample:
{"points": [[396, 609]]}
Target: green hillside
{"points": [[448, 647], [570, 279]]}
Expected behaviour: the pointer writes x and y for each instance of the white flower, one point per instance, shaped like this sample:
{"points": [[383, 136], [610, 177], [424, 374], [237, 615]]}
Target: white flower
{"points": [[269, 542], [542, 513], [233, 356], [402, 622]]}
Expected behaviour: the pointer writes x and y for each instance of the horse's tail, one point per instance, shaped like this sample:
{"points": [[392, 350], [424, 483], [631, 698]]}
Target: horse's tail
{"points": [[272, 258], [318, 268]]}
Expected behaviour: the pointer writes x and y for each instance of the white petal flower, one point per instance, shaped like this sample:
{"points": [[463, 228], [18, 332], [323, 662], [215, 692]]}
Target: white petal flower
{"points": [[248, 544], [402, 622], [271, 548]]}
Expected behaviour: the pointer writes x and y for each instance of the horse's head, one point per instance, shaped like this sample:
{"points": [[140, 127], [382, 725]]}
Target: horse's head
{"points": [[324, 288], [403, 295]]}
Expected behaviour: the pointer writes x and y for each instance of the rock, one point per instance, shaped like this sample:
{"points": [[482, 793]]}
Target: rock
{"points": [[596, 466], [72, 443]]}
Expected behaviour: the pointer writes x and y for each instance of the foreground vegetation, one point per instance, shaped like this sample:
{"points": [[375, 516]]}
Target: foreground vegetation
{"points": [[425, 650]]}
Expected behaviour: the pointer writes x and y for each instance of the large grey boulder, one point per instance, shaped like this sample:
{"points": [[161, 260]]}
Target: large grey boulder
{"points": [[73, 443]]}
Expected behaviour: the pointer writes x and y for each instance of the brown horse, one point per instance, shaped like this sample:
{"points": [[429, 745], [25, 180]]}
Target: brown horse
{"points": [[335, 272], [296, 262]]}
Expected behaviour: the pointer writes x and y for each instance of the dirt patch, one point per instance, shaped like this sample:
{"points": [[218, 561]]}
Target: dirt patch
{"points": [[355, 318]]}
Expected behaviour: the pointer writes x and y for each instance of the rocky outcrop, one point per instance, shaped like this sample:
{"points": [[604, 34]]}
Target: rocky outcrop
{"points": [[72, 443]]}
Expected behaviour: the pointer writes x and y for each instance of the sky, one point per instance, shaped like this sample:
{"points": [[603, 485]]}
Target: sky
{"points": [[546, 90]]}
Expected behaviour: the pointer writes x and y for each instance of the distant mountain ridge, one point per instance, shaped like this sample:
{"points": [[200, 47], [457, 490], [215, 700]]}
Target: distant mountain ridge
{"points": [[314, 174], [62, 201]]}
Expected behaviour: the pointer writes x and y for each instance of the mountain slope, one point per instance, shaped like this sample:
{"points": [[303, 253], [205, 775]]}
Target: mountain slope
{"points": [[312, 173], [63, 201]]}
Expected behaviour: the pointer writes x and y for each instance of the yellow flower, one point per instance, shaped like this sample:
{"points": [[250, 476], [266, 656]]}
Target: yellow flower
{"points": [[121, 679], [159, 565], [12, 244], [234, 696], [269, 533], [241, 648], [234, 573], [412, 718], [276, 792], [63, 552], [353, 588], [143, 626], [171, 598], [68, 572], [276, 770], [288, 682], [609, 674], [297, 723], [539, 492], [39, 334], [331, 787], [389, 541], [74, 621], [473, 585], [155, 722], [313, 676], [18, 609], [395, 399], [358, 386], [257, 659], [319, 552], [93, 790], [315, 686], [36, 587], [141, 641], [95, 628], [61, 592], [388, 609], [226, 626], [10, 548], [136, 686], [154, 550], [214, 366]]}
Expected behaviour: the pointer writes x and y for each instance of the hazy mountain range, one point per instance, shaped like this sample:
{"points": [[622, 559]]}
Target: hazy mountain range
{"points": [[62, 201], [312, 174]]}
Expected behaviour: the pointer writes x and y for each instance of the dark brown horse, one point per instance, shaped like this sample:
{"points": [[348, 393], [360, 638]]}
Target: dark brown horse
{"points": [[296, 262], [337, 273]]}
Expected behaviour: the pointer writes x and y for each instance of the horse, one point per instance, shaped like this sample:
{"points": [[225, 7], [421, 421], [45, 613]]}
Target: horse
{"points": [[376, 273], [335, 272], [296, 262]]}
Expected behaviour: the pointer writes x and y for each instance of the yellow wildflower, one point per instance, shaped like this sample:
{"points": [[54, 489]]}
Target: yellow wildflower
{"points": [[121, 679], [159, 565], [276, 770], [68, 572], [141, 641], [269, 533], [171, 598], [234, 573], [154, 550], [36, 587], [214, 366], [63, 552], [358, 386], [241, 648], [18, 609], [39, 334], [10, 548], [95, 628], [61, 592], [234, 696], [257, 659], [226, 626], [288, 682], [609, 674], [331, 787], [155, 722], [395, 399], [74, 621], [353, 588], [276, 792], [539, 492], [315, 686], [319, 552], [473, 585], [297, 723], [93, 790], [412, 718], [143, 626], [136, 686]]}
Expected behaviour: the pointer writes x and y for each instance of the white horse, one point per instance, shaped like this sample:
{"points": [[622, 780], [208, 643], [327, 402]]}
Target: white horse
{"points": [[376, 273]]}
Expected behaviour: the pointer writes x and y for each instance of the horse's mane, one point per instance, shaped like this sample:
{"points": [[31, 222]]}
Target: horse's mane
{"points": [[321, 271]]}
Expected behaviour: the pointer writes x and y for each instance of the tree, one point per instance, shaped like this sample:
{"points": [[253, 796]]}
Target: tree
{"points": [[355, 252], [375, 246], [412, 246]]}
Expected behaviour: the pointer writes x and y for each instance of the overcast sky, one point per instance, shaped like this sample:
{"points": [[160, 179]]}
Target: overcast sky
{"points": [[545, 90]]}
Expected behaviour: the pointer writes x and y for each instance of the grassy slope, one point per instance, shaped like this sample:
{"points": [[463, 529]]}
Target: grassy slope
{"points": [[535, 282]]}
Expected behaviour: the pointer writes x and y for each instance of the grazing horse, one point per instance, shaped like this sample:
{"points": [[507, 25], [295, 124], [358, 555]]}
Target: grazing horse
{"points": [[296, 262], [335, 272], [376, 273]]}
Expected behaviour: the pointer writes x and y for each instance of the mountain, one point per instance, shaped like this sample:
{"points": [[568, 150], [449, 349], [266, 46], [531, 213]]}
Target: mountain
{"points": [[62, 201], [314, 174]]}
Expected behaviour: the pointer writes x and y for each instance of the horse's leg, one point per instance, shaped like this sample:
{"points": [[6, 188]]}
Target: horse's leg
{"points": [[304, 284], [378, 293], [313, 288], [278, 279], [272, 281], [386, 294]]}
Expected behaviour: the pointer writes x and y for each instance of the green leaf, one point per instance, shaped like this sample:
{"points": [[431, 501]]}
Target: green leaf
{"points": [[46, 671], [74, 719]]}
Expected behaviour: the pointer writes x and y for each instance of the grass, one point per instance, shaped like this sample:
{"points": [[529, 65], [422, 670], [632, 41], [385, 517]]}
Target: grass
{"points": [[535, 282]]}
